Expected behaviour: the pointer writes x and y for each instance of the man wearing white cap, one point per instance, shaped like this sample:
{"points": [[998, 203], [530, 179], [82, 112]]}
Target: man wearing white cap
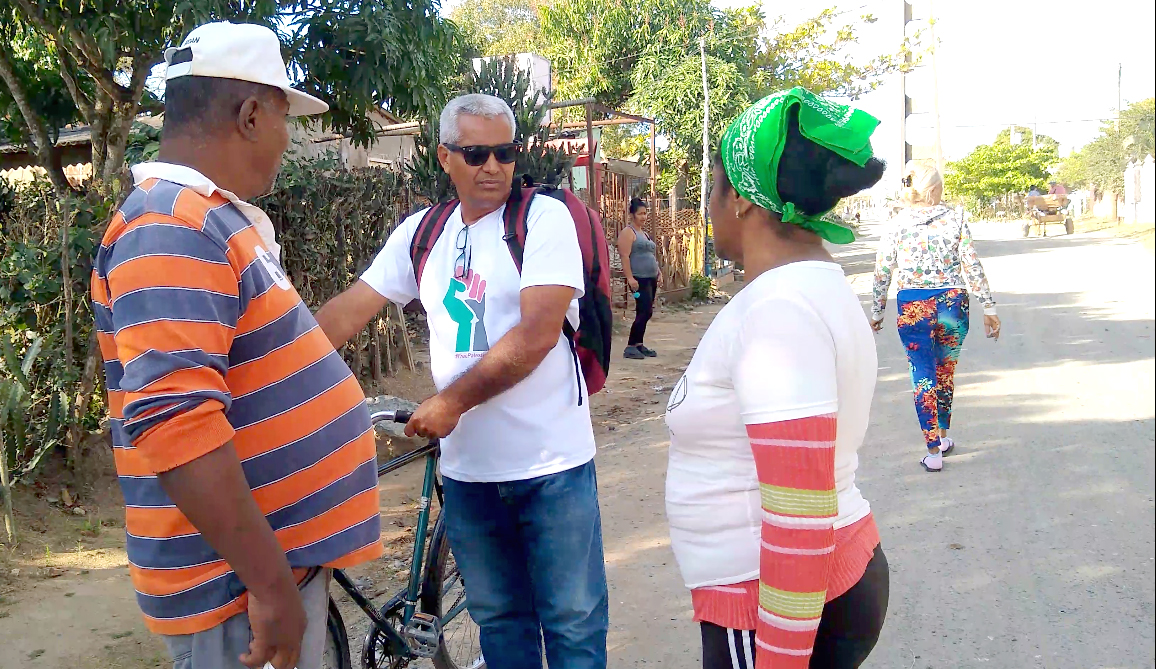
{"points": [[242, 440]]}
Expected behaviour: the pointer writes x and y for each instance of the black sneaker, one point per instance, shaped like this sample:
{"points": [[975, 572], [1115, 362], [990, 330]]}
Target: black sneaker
{"points": [[646, 351], [632, 353]]}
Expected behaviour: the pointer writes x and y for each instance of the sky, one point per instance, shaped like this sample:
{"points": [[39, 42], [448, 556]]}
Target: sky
{"points": [[1050, 64]]}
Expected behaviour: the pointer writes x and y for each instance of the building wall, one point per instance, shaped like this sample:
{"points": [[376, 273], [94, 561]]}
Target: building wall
{"points": [[391, 152]]}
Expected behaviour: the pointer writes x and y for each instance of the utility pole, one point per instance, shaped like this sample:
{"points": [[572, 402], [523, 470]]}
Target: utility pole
{"points": [[1119, 91], [904, 148], [935, 86], [705, 154]]}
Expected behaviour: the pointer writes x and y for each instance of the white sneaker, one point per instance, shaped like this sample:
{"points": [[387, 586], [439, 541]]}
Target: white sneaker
{"points": [[933, 462], [945, 445]]}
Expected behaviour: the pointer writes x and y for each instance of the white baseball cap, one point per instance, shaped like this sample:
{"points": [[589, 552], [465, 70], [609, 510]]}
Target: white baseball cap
{"points": [[243, 51]]}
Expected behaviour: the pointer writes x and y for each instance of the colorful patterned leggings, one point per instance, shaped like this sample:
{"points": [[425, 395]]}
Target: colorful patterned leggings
{"points": [[932, 326]]}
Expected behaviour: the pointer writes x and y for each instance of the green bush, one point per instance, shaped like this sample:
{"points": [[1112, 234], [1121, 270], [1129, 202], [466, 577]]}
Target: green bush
{"points": [[331, 223], [701, 287], [49, 377]]}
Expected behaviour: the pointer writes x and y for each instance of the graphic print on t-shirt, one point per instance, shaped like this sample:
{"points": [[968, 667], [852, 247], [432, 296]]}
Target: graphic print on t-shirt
{"points": [[465, 301], [678, 395]]}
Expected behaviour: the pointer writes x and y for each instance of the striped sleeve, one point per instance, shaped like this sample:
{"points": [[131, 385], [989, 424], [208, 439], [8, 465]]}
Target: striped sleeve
{"points": [[795, 460], [785, 378], [174, 302]]}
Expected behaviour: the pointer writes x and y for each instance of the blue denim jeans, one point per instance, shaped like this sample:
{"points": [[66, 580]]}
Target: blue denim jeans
{"points": [[530, 554]]}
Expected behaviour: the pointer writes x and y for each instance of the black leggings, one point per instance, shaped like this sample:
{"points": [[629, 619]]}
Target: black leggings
{"points": [[645, 309], [848, 630]]}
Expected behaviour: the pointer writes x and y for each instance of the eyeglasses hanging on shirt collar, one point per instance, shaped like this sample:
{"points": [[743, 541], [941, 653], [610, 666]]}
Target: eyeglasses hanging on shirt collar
{"points": [[465, 254]]}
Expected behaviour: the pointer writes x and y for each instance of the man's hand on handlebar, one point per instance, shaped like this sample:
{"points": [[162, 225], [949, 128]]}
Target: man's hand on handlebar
{"points": [[434, 419]]}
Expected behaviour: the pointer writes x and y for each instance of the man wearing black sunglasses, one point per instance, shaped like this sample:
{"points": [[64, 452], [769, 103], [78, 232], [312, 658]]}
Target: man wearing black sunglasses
{"points": [[521, 500]]}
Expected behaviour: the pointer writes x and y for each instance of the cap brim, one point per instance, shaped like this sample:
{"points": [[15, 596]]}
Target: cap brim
{"points": [[303, 104]]}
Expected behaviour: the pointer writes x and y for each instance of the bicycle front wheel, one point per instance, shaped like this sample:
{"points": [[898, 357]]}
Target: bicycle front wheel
{"points": [[336, 654], [444, 595]]}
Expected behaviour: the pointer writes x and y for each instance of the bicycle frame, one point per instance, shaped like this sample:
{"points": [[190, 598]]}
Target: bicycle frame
{"points": [[406, 599]]}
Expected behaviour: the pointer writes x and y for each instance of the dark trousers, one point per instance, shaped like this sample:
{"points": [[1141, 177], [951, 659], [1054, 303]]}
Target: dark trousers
{"points": [[847, 633], [644, 305], [530, 554]]}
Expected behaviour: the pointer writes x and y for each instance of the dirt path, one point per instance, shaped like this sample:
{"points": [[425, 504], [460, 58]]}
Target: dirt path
{"points": [[1035, 547]]}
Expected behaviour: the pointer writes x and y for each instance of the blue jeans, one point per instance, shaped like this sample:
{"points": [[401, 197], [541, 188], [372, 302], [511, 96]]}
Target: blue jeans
{"points": [[530, 554]]}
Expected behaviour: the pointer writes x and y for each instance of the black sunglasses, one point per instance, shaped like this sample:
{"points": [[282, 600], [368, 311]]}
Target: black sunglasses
{"points": [[476, 156]]}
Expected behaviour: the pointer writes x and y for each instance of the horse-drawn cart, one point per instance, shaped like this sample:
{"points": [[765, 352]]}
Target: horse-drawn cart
{"points": [[1045, 209]]}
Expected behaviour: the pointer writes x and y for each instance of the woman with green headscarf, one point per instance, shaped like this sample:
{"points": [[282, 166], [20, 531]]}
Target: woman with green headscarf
{"points": [[772, 537]]}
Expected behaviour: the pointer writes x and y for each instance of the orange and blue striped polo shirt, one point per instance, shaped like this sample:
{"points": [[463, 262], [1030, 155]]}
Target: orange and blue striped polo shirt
{"points": [[204, 341]]}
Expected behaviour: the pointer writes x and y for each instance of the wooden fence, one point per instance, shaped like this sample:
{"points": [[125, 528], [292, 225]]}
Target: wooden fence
{"points": [[680, 238]]}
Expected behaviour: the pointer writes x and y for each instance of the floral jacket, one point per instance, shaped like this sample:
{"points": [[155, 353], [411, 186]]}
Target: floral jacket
{"points": [[931, 248]]}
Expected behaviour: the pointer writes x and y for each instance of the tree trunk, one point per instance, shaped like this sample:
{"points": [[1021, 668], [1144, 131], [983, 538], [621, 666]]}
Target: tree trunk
{"points": [[116, 142], [98, 128], [83, 399], [42, 146], [6, 492], [66, 277]]}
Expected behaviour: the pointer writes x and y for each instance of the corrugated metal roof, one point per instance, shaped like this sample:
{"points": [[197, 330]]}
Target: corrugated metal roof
{"points": [[80, 134]]}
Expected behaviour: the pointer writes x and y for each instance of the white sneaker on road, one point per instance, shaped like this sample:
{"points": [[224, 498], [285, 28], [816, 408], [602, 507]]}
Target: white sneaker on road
{"points": [[945, 445], [933, 462]]}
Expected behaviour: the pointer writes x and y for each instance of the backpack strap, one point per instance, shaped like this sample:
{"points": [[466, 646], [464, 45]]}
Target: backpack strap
{"points": [[515, 221], [432, 224]]}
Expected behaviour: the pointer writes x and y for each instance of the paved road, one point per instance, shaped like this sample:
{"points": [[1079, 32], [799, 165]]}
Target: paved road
{"points": [[1035, 546]]}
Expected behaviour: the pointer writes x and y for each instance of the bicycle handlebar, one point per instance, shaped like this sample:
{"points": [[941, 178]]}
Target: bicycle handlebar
{"points": [[400, 416]]}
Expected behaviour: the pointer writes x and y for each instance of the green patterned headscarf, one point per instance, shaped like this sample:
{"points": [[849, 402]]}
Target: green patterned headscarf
{"points": [[753, 145]]}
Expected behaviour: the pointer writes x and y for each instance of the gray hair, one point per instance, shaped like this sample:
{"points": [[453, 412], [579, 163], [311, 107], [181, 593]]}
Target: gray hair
{"points": [[473, 104]]}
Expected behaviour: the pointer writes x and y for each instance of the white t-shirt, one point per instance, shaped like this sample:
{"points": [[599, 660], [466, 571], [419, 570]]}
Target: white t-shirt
{"points": [[537, 427], [794, 343]]}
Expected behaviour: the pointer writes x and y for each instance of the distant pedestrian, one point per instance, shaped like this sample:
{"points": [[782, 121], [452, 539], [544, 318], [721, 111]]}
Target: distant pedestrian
{"points": [[643, 276], [932, 249]]}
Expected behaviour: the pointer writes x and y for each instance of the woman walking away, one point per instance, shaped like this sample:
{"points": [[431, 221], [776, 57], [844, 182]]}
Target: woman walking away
{"points": [[774, 540], [931, 247], [640, 265]]}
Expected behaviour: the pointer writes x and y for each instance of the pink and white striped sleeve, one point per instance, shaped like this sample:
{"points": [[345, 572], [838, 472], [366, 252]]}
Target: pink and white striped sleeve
{"points": [[795, 460]]}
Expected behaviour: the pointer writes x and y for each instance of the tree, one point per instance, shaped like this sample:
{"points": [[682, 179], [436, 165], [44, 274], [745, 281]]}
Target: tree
{"points": [[1100, 164], [498, 27], [676, 102], [813, 55], [28, 66], [502, 78], [606, 50], [644, 55], [996, 170], [355, 54]]}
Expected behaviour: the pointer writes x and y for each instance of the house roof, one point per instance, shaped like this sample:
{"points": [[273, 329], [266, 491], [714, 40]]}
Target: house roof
{"points": [[80, 133], [69, 136]]}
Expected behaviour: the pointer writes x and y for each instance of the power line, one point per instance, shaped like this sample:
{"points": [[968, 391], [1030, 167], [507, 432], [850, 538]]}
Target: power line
{"points": [[1025, 125]]}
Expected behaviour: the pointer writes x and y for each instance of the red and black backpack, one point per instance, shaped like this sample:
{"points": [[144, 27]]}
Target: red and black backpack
{"points": [[590, 343]]}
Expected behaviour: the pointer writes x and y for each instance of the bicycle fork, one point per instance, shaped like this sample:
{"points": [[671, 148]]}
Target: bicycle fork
{"points": [[422, 631]]}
